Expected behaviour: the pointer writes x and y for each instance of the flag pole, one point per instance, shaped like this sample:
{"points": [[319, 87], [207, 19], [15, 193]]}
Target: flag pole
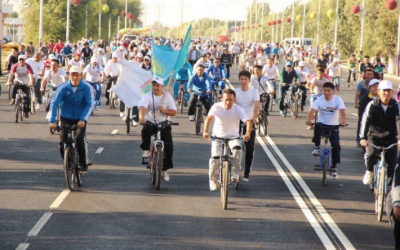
{"points": [[165, 92]]}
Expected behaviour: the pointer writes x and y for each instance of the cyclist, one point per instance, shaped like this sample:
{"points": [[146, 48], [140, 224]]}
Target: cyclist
{"points": [[380, 68], [335, 73], [352, 65], [288, 74], [183, 76], [196, 82], [276, 52], [362, 86], [86, 52], [261, 58], [23, 78], [151, 109], [77, 61], [379, 126], [57, 49], [45, 50], [304, 74], [204, 61], [271, 71], [94, 74], [262, 84], [322, 61], [226, 116], [112, 70], [76, 99], [65, 52], [328, 106], [101, 58], [226, 60], [216, 74], [37, 66], [316, 85], [193, 55], [243, 59], [249, 100], [296, 57], [11, 59], [362, 67]]}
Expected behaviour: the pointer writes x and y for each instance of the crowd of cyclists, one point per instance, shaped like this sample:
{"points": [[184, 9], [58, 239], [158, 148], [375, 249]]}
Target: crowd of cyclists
{"points": [[68, 78]]}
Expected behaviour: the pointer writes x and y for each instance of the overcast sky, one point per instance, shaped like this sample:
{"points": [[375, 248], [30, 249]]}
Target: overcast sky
{"points": [[170, 13]]}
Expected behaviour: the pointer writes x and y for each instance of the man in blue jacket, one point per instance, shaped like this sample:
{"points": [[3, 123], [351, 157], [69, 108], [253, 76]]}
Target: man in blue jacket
{"points": [[183, 76], [217, 75], [197, 82], [76, 100]]}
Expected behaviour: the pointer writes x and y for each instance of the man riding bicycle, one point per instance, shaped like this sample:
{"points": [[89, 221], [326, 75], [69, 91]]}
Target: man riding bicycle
{"points": [[75, 98], [182, 77], [94, 74], [197, 82], [226, 116], [288, 75], [380, 126], [262, 84], [86, 52], [217, 75], [157, 106]]}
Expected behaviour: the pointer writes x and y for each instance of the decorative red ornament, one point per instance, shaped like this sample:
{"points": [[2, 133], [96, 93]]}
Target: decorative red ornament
{"points": [[76, 2], [253, 26], [259, 25], [273, 22], [134, 17], [269, 23], [238, 28], [248, 26], [130, 15], [288, 19], [278, 21], [123, 14], [391, 4], [355, 9]]}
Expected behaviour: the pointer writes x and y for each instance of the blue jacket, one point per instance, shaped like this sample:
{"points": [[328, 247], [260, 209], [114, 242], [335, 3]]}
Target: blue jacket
{"points": [[66, 51], [267, 50], [185, 73], [216, 73], [73, 106], [195, 84]]}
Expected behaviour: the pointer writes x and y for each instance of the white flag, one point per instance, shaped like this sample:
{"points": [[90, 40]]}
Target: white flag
{"points": [[130, 83]]}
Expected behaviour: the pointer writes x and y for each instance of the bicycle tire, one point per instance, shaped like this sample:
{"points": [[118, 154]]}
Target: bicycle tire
{"points": [[265, 124], [285, 106], [159, 166], [325, 168], [293, 107], [381, 194], [9, 92], [225, 184], [16, 114], [21, 113], [69, 169], [259, 126], [128, 121], [182, 101], [153, 168], [198, 120], [78, 175], [372, 185], [271, 102]]}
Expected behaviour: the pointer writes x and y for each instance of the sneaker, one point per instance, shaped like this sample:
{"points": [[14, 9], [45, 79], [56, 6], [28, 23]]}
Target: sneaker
{"points": [[191, 118], [12, 102], [213, 186], [146, 154], [368, 177], [310, 127], [26, 114], [333, 172], [134, 124], [165, 176], [84, 169], [124, 118], [121, 114], [282, 113], [246, 177], [37, 106], [96, 108], [235, 178], [315, 152]]}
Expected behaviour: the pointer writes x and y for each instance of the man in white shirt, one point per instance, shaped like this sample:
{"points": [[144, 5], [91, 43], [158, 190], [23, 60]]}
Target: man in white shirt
{"points": [[112, 71], [101, 58], [226, 116], [156, 107], [55, 76], [296, 57], [261, 59], [77, 61], [248, 99], [304, 74], [94, 74], [335, 73], [37, 66], [204, 61], [121, 52], [262, 84], [328, 106]]}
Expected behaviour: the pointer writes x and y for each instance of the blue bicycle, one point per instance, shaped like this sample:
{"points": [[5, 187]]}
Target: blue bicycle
{"points": [[325, 158], [380, 182]]}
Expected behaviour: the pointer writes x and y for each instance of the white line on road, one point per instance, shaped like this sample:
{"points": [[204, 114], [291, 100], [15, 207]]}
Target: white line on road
{"points": [[99, 150], [60, 198], [114, 132], [321, 210], [354, 114], [39, 225], [22, 246]]}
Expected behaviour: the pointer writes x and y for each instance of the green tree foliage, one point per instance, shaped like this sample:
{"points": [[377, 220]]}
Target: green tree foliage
{"points": [[55, 15]]}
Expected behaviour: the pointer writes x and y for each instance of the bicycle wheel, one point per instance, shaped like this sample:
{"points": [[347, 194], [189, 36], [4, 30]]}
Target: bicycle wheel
{"points": [[265, 123], [153, 166], [21, 112], [271, 102], [69, 169], [33, 109], [159, 165], [325, 168], [128, 121], [198, 120], [294, 107], [181, 101], [214, 97], [381, 193], [16, 114], [9, 92], [285, 107], [78, 175], [225, 184]]}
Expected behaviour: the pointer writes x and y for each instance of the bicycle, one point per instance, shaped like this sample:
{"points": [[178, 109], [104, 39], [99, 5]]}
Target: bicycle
{"points": [[47, 98], [66, 59], [352, 76], [181, 96], [199, 112], [215, 97], [380, 181], [325, 157], [112, 96], [297, 101], [271, 96], [19, 103], [156, 160], [32, 94], [71, 158], [225, 168], [128, 120], [262, 118], [290, 102]]}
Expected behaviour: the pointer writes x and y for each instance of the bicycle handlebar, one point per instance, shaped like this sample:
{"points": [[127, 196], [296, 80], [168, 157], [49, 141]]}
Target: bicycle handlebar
{"points": [[225, 139], [384, 148], [164, 123], [73, 127]]}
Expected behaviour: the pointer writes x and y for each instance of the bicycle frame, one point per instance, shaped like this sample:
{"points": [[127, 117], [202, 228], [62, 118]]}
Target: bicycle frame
{"points": [[324, 152], [382, 164]]}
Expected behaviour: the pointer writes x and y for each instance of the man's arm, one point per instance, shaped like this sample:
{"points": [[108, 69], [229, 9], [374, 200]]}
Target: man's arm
{"points": [[89, 101], [310, 117], [207, 123], [343, 116], [366, 121], [356, 96], [142, 113]]}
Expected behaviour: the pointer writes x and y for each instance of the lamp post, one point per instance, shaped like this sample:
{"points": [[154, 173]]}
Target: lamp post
{"points": [[398, 43], [126, 11], [68, 14], [318, 23], [291, 33], [362, 24], [100, 19], [336, 22], [40, 24]]}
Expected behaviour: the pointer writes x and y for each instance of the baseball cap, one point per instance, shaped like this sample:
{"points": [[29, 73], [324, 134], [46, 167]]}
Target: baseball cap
{"points": [[139, 55], [121, 47], [301, 63], [158, 80], [385, 84], [336, 60], [289, 64], [100, 50], [75, 69], [22, 57], [372, 82], [95, 59], [147, 58], [77, 53], [115, 55]]}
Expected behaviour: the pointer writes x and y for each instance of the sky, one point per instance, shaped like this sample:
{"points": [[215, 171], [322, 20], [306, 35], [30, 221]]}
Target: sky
{"points": [[170, 11]]}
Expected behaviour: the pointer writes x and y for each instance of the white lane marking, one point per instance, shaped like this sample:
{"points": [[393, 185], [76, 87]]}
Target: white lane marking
{"points": [[60, 199], [99, 150], [321, 210], [307, 212], [40, 224], [22, 246], [354, 114], [114, 132]]}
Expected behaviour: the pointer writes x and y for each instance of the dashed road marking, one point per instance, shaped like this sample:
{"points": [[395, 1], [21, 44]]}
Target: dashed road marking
{"points": [[40, 224], [114, 132], [22, 246], [99, 150], [60, 198]]}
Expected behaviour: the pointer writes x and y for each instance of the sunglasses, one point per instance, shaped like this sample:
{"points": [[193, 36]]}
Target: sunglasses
{"points": [[21, 59]]}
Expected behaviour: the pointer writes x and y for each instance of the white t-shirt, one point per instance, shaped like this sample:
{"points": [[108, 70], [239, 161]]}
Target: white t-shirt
{"points": [[328, 110], [318, 84], [266, 86], [261, 59], [36, 67], [93, 74], [147, 102], [271, 72], [303, 74], [296, 56], [79, 63], [55, 79], [334, 70], [226, 124], [246, 99]]}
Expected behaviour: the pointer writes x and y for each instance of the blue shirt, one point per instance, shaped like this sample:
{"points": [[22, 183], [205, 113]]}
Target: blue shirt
{"points": [[195, 83], [67, 50], [267, 51], [217, 73], [275, 51], [185, 73]]}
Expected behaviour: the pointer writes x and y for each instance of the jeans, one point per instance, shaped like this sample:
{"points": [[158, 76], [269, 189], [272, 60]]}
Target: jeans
{"points": [[148, 131], [351, 73], [81, 142], [228, 69], [97, 87], [334, 140], [304, 94], [177, 85], [248, 162], [336, 81], [193, 100], [37, 94]]}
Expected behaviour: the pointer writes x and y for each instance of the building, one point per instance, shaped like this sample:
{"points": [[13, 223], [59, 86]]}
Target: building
{"points": [[12, 27]]}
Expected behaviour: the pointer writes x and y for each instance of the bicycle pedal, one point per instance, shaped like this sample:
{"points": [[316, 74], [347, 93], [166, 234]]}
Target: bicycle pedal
{"points": [[317, 168]]}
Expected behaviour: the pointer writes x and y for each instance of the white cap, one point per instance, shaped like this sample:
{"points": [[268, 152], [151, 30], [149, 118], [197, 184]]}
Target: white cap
{"points": [[158, 80], [22, 57], [52, 57], [75, 69], [139, 55], [147, 57], [385, 84], [301, 63], [121, 47], [115, 55], [372, 82], [94, 59], [336, 60], [100, 50]]}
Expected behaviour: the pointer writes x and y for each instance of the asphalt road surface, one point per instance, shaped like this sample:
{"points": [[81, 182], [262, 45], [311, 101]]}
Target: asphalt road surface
{"points": [[284, 206]]}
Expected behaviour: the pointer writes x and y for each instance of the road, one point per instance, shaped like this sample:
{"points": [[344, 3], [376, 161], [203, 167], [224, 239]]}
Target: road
{"points": [[284, 206]]}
